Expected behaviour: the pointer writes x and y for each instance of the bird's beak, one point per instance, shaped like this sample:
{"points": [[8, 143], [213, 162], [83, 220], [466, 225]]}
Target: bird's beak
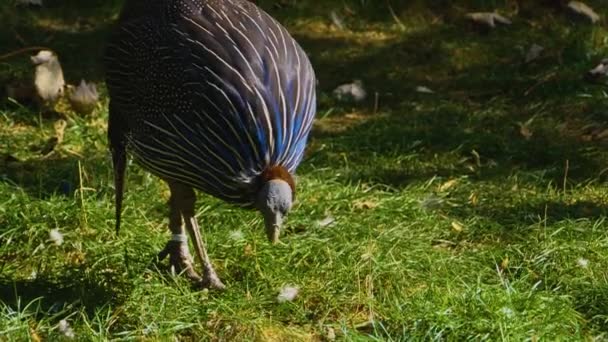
{"points": [[273, 224]]}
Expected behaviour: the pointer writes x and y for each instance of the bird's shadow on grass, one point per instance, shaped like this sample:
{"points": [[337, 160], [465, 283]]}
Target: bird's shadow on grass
{"points": [[513, 222], [58, 174], [72, 288], [478, 106], [42, 178], [592, 302]]}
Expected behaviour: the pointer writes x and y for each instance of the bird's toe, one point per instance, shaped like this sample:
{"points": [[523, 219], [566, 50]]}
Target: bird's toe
{"points": [[212, 282], [180, 259]]}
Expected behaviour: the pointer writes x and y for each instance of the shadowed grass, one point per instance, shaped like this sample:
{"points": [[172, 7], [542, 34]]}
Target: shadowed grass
{"points": [[450, 221]]}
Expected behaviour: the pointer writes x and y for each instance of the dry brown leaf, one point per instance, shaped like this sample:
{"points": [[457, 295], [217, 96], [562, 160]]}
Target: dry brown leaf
{"points": [[473, 199], [248, 250], [363, 204], [34, 335], [457, 226], [525, 131], [505, 263], [60, 126], [448, 185]]}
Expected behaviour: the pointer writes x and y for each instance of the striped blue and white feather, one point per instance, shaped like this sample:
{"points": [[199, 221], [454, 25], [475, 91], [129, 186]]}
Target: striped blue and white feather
{"points": [[211, 94]]}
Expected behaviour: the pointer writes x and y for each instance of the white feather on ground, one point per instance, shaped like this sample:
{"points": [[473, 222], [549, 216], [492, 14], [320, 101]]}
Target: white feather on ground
{"points": [[56, 237], [351, 92], [488, 18], [84, 97], [66, 329], [288, 293], [236, 235]]}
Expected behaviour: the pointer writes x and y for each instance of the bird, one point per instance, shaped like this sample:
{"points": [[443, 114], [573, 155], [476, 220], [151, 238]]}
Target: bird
{"points": [[213, 96]]}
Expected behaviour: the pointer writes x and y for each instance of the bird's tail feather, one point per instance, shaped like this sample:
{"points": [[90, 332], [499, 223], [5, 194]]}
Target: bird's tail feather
{"points": [[119, 160]]}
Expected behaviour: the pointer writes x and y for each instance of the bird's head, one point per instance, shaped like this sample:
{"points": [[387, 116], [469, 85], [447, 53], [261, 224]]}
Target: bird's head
{"points": [[274, 200]]}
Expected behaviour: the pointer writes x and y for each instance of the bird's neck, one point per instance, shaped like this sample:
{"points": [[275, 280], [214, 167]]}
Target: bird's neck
{"points": [[278, 172]]}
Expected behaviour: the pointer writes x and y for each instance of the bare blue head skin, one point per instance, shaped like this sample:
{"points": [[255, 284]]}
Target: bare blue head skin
{"points": [[274, 202]]}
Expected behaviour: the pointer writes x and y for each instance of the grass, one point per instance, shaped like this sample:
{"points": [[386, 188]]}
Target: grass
{"points": [[450, 221]]}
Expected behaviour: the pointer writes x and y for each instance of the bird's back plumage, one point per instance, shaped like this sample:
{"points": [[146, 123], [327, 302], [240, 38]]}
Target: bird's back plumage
{"points": [[209, 93]]}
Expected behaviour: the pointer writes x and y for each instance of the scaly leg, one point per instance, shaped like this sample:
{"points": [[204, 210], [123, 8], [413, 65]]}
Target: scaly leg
{"points": [[177, 248], [187, 201]]}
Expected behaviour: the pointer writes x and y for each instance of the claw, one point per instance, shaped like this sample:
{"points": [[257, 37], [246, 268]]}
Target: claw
{"points": [[179, 259], [211, 282]]}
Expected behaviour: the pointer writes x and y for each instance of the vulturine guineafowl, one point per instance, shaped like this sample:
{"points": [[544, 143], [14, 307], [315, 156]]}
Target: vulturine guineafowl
{"points": [[213, 95]]}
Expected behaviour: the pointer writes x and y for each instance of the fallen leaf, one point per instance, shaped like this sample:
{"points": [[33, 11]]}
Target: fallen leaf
{"points": [[59, 127], [534, 52], [424, 90], [477, 158], [488, 18], [457, 226], [473, 199], [525, 131], [326, 221], [248, 250], [504, 263], [582, 9], [364, 204], [336, 20], [448, 185], [34, 335]]}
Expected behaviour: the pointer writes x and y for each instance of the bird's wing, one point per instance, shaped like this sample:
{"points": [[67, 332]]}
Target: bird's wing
{"points": [[215, 91], [250, 76]]}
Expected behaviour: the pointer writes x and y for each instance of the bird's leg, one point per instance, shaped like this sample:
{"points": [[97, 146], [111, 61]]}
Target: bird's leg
{"points": [[188, 199], [177, 248]]}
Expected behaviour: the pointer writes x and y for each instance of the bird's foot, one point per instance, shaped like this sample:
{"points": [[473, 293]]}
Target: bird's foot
{"points": [[180, 259], [211, 280]]}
